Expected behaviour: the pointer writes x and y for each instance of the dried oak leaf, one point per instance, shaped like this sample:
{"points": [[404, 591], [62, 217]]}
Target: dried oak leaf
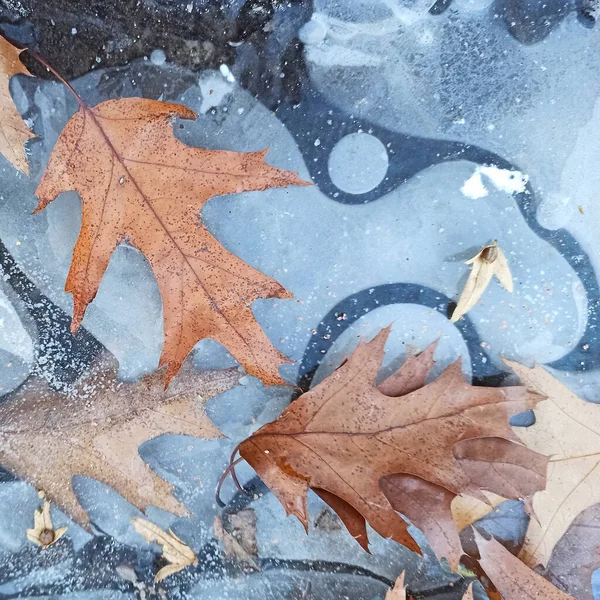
{"points": [[95, 429], [438, 513], [140, 184], [13, 131], [567, 429], [512, 578], [490, 462], [176, 552], [577, 555], [362, 451], [489, 261]]}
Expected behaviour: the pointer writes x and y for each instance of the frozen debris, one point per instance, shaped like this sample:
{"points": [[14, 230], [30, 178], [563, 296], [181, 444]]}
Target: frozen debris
{"points": [[177, 553], [489, 261], [43, 533], [473, 187], [328, 521], [505, 180], [237, 531]]}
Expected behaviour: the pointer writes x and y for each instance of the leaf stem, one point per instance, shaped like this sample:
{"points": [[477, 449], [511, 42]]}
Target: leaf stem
{"points": [[228, 470], [46, 64], [56, 74]]}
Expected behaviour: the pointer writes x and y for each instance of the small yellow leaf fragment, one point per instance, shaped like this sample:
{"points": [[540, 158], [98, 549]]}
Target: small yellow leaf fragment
{"points": [[398, 592], [489, 261], [43, 533], [176, 552], [466, 509]]}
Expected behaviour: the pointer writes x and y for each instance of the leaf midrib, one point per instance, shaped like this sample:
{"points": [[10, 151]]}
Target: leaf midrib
{"points": [[159, 220]]}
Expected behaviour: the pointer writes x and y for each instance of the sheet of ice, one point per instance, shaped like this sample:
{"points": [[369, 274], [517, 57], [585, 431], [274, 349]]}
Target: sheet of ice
{"points": [[18, 502], [495, 95], [414, 328], [458, 75], [16, 345], [276, 584]]}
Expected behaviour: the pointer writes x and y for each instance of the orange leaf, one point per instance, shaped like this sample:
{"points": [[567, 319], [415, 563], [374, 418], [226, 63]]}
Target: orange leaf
{"points": [[140, 185], [368, 451], [13, 131]]}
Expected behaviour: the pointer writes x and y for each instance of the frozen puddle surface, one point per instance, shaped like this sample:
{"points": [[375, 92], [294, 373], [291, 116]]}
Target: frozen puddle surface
{"points": [[427, 134]]}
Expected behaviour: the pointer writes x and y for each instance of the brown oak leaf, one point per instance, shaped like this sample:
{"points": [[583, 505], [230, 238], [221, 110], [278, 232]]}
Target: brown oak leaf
{"points": [[139, 184], [436, 511], [512, 578], [354, 446], [13, 131], [95, 429]]}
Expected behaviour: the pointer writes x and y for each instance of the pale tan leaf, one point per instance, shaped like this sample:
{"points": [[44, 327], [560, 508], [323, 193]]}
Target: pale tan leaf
{"points": [[468, 595], [174, 550], [489, 261], [168, 570], [567, 429], [398, 592], [502, 271], [13, 131], [95, 429]]}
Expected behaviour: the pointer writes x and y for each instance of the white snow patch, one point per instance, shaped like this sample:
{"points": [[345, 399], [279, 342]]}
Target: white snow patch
{"points": [[473, 187], [505, 180], [224, 69], [214, 89]]}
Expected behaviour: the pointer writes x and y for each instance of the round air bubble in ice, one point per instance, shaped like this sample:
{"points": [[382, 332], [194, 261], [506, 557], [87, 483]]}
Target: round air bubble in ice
{"points": [[358, 163]]}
